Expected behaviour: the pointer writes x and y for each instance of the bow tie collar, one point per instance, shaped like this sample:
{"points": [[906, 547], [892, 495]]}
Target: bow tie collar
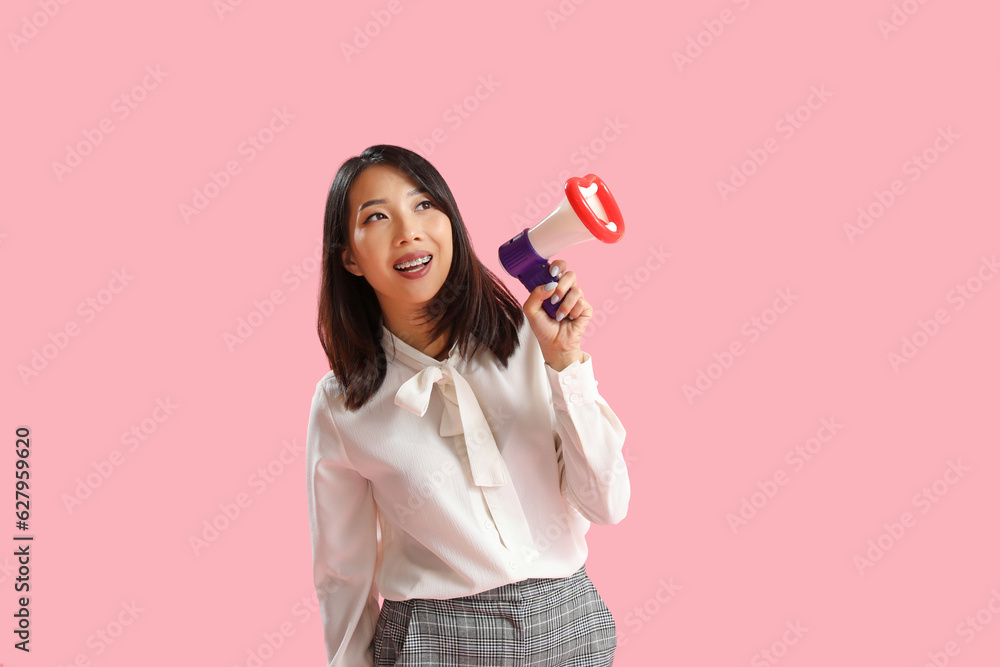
{"points": [[463, 417], [462, 414]]}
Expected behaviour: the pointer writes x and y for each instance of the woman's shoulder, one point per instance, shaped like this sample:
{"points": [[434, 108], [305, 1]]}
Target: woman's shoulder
{"points": [[329, 390], [331, 393], [328, 381]]}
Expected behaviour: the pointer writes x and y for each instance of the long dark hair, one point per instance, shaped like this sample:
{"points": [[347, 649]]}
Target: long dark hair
{"points": [[477, 309]]}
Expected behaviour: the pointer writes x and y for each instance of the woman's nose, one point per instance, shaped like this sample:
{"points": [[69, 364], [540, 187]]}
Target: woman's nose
{"points": [[408, 228]]}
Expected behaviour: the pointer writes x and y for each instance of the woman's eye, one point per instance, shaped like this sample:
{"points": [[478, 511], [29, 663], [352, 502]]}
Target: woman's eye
{"points": [[372, 216], [429, 203]]}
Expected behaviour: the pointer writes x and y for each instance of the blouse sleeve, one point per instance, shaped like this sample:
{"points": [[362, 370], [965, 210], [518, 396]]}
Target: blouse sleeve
{"points": [[343, 525], [589, 439]]}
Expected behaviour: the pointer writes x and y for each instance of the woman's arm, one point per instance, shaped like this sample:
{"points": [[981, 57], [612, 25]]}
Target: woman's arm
{"points": [[589, 438], [342, 521]]}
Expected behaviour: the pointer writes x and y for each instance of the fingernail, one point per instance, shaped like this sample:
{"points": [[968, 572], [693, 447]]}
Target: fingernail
{"points": [[555, 299], [554, 271], [550, 286], [559, 316]]}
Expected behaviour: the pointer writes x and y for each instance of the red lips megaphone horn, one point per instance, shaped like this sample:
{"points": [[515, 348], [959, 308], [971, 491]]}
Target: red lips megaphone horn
{"points": [[588, 211]]}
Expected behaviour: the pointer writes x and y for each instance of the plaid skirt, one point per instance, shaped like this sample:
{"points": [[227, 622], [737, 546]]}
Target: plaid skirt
{"points": [[530, 623]]}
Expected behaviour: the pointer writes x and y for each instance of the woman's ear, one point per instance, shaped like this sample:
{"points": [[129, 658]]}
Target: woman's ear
{"points": [[347, 257]]}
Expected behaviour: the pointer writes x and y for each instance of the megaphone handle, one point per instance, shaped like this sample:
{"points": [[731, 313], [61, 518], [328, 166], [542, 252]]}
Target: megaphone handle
{"points": [[539, 275], [550, 307], [519, 258]]}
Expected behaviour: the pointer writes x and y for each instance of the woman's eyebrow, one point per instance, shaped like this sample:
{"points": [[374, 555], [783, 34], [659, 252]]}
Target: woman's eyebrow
{"points": [[375, 202]]}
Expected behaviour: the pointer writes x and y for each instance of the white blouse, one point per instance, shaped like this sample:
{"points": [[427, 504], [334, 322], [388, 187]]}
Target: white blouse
{"points": [[492, 478]]}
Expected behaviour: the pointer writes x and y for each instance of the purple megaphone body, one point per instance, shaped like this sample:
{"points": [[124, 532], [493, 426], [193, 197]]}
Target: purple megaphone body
{"points": [[588, 211]]}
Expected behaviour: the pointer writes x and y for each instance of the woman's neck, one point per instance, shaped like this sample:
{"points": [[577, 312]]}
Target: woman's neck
{"points": [[417, 336]]}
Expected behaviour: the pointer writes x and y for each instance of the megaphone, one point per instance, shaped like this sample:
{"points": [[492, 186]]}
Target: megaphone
{"points": [[588, 211]]}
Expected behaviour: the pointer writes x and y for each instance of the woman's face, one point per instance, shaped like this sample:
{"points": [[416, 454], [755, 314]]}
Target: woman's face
{"points": [[392, 221]]}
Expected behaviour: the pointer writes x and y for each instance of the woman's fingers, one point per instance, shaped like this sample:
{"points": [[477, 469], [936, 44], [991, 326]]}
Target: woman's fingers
{"points": [[567, 294]]}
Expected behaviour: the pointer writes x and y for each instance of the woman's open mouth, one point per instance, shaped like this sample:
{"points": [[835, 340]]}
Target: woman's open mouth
{"points": [[414, 268]]}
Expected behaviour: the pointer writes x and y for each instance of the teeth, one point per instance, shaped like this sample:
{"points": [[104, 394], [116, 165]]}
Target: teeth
{"points": [[416, 262]]}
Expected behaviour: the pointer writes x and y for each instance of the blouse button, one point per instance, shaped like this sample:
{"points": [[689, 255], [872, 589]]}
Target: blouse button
{"points": [[513, 565], [566, 380], [575, 398], [487, 525]]}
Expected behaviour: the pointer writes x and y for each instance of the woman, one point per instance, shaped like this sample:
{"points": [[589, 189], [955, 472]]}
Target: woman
{"points": [[457, 450]]}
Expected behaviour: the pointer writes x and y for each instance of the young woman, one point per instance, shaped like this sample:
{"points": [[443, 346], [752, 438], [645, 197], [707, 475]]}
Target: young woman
{"points": [[457, 450]]}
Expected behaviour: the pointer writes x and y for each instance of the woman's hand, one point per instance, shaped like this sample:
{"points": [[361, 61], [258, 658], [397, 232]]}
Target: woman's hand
{"points": [[559, 340]]}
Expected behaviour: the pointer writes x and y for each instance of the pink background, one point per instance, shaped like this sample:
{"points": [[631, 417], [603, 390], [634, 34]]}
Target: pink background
{"points": [[663, 136]]}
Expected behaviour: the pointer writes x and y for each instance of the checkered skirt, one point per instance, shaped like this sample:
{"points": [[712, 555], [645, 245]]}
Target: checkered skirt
{"points": [[531, 623]]}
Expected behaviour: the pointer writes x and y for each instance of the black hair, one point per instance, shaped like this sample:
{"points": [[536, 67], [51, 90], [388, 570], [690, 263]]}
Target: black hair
{"points": [[473, 306]]}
